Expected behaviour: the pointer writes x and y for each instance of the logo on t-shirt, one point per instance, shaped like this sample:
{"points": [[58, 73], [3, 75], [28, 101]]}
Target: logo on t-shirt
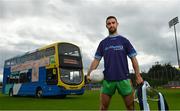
{"points": [[114, 47]]}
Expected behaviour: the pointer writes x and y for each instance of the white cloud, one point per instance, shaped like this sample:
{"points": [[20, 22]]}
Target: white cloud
{"points": [[30, 24]]}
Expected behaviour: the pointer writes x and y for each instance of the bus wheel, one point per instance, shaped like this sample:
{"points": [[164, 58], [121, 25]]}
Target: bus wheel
{"points": [[11, 92], [39, 93]]}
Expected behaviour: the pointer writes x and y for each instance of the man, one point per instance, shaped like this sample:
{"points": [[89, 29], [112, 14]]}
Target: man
{"points": [[115, 49]]}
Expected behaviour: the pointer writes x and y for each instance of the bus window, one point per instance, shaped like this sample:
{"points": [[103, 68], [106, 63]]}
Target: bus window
{"points": [[68, 50], [71, 76], [18, 60], [14, 77], [29, 76], [13, 62], [25, 76], [33, 56], [50, 51], [23, 59], [40, 54], [22, 78], [29, 57], [69, 56], [7, 63]]}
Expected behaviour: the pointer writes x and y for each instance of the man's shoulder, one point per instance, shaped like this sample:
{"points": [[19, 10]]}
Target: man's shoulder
{"points": [[122, 38], [104, 40]]}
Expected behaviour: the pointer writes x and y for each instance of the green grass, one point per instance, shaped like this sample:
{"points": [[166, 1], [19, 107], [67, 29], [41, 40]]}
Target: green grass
{"points": [[88, 101]]}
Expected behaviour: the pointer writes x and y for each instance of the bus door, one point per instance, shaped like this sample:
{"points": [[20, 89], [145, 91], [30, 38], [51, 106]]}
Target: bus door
{"points": [[51, 76]]}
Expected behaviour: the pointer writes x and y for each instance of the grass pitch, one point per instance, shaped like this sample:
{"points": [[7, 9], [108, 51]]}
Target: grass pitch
{"points": [[88, 101]]}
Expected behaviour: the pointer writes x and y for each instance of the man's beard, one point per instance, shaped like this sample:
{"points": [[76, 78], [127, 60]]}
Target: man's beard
{"points": [[112, 31]]}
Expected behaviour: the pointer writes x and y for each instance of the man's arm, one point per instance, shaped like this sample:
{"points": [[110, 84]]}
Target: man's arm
{"points": [[93, 66], [136, 70]]}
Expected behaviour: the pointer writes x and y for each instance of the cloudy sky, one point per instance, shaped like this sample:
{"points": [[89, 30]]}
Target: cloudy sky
{"points": [[26, 25]]}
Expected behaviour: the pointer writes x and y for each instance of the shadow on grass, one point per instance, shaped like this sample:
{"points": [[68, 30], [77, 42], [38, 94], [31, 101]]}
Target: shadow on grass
{"points": [[49, 97]]}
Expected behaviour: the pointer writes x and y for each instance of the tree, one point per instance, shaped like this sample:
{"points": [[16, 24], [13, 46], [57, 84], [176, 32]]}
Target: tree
{"points": [[160, 74]]}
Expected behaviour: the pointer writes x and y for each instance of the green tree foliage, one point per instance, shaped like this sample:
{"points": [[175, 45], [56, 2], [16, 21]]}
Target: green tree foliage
{"points": [[159, 74]]}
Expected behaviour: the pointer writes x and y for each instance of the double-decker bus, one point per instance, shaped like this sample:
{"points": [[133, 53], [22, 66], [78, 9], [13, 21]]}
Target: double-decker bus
{"points": [[54, 70]]}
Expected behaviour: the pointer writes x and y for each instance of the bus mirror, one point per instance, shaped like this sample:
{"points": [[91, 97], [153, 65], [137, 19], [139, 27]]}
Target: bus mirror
{"points": [[54, 71]]}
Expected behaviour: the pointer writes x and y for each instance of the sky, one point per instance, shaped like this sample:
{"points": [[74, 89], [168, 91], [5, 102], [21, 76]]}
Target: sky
{"points": [[26, 25]]}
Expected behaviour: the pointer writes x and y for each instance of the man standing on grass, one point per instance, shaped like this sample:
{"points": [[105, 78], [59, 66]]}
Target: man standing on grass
{"points": [[115, 49]]}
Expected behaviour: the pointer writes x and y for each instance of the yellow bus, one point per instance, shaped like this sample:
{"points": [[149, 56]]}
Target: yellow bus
{"points": [[53, 70]]}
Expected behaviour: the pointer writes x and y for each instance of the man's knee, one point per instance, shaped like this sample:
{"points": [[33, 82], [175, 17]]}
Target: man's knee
{"points": [[129, 101], [105, 100], [130, 105]]}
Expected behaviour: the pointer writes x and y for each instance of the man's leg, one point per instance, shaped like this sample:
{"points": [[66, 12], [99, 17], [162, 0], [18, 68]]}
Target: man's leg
{"points": [[129, 101], [104, 101], [125, 89]]}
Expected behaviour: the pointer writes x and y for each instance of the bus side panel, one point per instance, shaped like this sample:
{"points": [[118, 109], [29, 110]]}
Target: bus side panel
{"points": [[54, 90], [51, 90], [30, 88], [6, 73]]}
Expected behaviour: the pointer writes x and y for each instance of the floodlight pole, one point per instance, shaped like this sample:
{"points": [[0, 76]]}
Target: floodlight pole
{"points": [[176, 46], [173, 22]]}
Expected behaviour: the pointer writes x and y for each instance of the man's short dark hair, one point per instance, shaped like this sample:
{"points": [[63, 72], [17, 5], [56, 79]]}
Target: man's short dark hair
{"points": [[109, 17]]}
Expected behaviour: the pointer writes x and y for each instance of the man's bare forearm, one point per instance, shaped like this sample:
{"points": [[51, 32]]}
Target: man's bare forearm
{"points": [[136, 70], [93, 66]]}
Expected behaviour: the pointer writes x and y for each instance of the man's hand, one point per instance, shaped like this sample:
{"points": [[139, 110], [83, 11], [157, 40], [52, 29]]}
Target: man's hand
{"points": [[88, 78], [93, 66], [139, 79]]}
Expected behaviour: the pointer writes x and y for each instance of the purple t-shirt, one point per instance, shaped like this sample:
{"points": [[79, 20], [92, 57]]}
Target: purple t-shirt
{"points": [[115, 50]]}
